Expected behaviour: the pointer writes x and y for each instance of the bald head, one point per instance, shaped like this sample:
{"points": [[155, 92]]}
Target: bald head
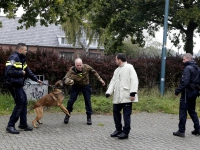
{"points": [[79, 64], [78, 60]]}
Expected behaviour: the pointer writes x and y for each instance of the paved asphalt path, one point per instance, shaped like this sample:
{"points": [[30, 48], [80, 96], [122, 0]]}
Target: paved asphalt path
{"points": [[149, 132]]}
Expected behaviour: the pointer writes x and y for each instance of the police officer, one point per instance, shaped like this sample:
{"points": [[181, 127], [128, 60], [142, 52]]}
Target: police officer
{"points": [[15, 74], [187, 88]]}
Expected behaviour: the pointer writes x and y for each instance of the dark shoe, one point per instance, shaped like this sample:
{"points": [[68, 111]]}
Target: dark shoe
{"points": [[89, 120], [115, 133], [123, 136], [196, 132], [12, 130], [26, 128], [66, 120], [179, 134]]}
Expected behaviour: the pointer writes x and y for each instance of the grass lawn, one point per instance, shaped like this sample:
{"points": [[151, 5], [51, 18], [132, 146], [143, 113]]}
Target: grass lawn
{"points": [[149, 101]]}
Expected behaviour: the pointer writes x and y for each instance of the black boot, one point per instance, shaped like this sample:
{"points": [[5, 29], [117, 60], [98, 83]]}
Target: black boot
{"points": [[89, 120], [179, 134], [12, 130], [122, 136], [196, 132], [115, 133], [66, 120], [25, 128]]}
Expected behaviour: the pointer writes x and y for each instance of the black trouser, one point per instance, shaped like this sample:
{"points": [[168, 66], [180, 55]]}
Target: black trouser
{"points": [[86, 90], [187, 105], [127, 111], [20, 109]]}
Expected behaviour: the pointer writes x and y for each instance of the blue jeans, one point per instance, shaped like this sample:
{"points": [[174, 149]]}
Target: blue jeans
{"points": [[187, 105], [20, 109], [75, 90], [127, 111]]}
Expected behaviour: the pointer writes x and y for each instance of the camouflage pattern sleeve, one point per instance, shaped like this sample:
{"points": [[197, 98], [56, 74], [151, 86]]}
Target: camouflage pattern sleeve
{"points": [[94, 72], [69, 73]]}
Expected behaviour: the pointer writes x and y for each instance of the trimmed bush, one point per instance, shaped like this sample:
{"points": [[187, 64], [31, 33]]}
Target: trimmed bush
{"points": [[47, 63]]}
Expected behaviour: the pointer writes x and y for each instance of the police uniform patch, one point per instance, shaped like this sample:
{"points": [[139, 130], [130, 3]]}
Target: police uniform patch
{"points": [[12, 62]]}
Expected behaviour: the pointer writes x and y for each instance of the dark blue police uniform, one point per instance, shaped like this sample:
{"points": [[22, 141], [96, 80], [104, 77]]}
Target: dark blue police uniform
{"points": [[15, 78], [189, 93]]}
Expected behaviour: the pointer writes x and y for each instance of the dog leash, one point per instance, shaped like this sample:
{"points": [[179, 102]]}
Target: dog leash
{"points": [[48, 85], [29, 84]]}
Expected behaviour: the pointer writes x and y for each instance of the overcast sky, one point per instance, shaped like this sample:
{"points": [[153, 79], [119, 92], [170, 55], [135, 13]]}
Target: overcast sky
{"points": [[159, 37]]}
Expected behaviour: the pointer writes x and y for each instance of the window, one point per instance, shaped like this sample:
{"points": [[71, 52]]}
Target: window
{"points": [[63, 40], [66, 55], [94, 42], [94, 55]]}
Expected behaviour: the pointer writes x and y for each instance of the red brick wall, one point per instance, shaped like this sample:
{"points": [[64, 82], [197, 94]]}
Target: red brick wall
{"points": [[77, 51]]}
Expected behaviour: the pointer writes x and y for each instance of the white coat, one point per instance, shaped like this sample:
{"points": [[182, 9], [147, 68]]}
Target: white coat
{"points": [[123, 82]]}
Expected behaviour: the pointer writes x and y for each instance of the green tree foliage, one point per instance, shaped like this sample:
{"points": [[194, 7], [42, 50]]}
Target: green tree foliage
{"points": [[80, 29], [152, 48], [79, 33], [49, 11], [116, 19], [122, 18]]}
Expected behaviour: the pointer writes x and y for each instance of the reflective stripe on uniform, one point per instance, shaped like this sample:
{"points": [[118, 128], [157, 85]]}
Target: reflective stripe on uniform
{"points": [[25, 66], [16, 65]]}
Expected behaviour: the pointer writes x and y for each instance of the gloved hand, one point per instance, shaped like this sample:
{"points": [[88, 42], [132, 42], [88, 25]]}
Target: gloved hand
{"points": [[107, 95]]}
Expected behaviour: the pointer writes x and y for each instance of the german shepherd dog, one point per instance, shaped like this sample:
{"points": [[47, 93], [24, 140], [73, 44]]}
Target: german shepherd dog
{"points": [[54, 98]]}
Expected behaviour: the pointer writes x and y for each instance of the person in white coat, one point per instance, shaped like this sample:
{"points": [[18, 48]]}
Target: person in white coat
{"points": [[124, 85]]}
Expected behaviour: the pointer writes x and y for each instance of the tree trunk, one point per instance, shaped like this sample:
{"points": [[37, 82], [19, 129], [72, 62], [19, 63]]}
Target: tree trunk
{"points": [[189, 43], [87, 52], [188, 48]]}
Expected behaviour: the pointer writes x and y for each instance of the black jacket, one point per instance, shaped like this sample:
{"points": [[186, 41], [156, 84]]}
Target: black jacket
{"points": [[13, 72], [189, 76]]}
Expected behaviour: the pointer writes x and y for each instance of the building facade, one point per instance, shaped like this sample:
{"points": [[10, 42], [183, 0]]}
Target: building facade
{"points": [[41, 37]]}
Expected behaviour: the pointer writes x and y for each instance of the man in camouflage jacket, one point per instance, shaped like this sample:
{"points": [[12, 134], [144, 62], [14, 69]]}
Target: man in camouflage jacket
{"points": [[80, 75]]}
